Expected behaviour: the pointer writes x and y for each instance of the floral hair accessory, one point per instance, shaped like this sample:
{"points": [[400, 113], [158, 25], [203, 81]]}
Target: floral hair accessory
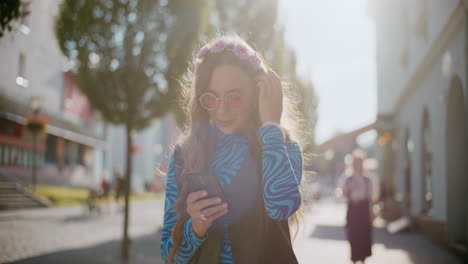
{"points": [[218, 46], [202, 52], [195, 66], [242, 51], [255, 61]]}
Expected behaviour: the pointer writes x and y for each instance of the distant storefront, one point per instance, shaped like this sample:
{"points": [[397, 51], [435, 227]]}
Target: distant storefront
{"points": [[65, 152]]}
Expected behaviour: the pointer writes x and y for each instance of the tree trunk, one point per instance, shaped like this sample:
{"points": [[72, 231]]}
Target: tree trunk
{"points": [[127, 188]]}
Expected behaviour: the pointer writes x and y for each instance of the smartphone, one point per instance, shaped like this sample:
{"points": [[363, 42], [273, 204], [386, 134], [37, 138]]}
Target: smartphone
{"points": [[196, 183]]}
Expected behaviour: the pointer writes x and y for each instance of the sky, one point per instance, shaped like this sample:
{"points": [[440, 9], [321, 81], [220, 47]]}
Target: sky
{"points": [[335, 44]]}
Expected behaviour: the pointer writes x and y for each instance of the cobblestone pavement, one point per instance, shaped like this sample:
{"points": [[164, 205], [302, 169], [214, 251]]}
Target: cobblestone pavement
{"points": [[323, 240], [72, 235]]}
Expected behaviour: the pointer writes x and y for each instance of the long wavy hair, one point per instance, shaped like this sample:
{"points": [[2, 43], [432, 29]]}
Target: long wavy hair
{"points": [[195, 137]]}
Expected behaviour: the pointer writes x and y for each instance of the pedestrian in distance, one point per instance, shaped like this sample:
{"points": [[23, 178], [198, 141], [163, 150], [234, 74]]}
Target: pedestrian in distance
{"points": [[119, 187], [358, 191]]}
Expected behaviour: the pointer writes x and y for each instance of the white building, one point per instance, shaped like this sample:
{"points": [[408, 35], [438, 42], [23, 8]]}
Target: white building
{"points": [[422, 56], [32, 66]]}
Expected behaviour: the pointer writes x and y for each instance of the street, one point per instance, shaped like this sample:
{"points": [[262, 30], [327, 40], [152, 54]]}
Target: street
{"points": [[70, 235]]}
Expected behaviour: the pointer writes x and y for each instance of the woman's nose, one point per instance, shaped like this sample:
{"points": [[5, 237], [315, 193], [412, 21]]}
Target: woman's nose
{"points": [[223, 108]]}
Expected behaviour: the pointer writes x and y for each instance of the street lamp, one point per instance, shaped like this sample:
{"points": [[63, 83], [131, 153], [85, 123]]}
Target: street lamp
{"points": [[35, 123]]}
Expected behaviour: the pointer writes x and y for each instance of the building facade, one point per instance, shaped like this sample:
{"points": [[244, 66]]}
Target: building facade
{"points": [[33, 75], [422, 56], [77, 149]]}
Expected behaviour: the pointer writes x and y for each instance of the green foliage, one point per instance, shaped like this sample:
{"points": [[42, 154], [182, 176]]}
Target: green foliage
{"points": [[66, 196], [9, 11], [256, 22], [62, 196], [193, 18], [127, 54]]}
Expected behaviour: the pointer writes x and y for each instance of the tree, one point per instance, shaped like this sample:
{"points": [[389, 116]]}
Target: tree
{"points": [[257, 23], [254, 21], [127, 56], [10, 11]]}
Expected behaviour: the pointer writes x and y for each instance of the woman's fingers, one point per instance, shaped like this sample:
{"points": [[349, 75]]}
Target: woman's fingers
{"points": [[193, 197], [270, 96], [275, 82], [269, 81], [199, 205], [214, 210], [263, 87], [270, 85], [217, 215], [202, 220], [261, 83]]}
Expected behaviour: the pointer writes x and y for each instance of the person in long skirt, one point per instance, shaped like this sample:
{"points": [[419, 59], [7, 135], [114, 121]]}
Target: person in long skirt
{"points": [[358, 191]]}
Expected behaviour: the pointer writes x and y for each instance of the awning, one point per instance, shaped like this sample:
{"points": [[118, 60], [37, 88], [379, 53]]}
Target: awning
{"points": [[345, 138], [384, 123], [58, 126]]}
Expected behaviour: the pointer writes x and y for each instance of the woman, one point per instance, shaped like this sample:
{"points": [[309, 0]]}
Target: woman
{"points": [[357, 189], [250, 167]]}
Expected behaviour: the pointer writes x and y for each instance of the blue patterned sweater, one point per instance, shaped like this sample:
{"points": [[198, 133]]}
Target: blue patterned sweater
{"points": [[282, 172]]}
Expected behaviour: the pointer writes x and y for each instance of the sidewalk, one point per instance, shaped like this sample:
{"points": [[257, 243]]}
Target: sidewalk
{"points": [[144, 250], [71, 235], [41, 212], [65, 235], [323, 240]]}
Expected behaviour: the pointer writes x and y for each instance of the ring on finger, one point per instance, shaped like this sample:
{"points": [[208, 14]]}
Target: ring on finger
{"points": [[203, 217]]}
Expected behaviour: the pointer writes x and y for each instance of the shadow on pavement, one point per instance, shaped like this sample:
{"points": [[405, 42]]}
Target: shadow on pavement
{"points": [[80, 218], [144, 250], [419, 248], [329, 232]]}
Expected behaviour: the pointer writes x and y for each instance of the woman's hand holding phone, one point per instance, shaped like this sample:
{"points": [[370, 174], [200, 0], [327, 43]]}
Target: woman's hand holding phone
{"points": [[203, 217]]}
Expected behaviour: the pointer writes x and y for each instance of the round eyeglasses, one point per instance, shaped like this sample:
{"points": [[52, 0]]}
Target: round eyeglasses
{"points": [[210, 101]]}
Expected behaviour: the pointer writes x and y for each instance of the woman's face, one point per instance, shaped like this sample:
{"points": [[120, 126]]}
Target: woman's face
{"points": [[233, 113]]}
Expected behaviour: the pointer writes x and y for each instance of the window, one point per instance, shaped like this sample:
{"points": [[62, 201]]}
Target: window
{"points": [[51, 149], [426, 166], [404, 56], [21, 152], [5, 155], [29, 159], [21, 78], [71, 153], [25, 158], [407, 172]]}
